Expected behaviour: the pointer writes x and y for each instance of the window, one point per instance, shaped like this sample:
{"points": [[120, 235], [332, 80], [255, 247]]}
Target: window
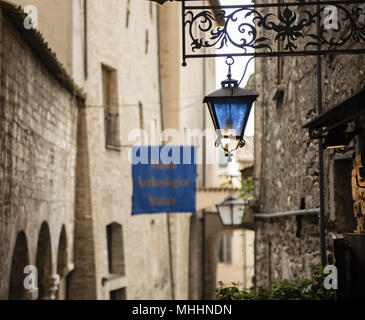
{"points": [[141, 120], [151, 11], [128, 14], [147, 42], [225, 248], [120, 294], [299, 219], [115, 249], [223, 164], [110, 102]]}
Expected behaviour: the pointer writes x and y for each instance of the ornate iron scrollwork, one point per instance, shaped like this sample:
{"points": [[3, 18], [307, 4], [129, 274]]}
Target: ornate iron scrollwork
{"points": [[260, 30], [220, 36], [350, 29]]}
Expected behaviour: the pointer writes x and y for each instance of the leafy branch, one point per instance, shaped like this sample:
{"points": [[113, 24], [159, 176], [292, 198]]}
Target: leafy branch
{"points": [[307, 289]]}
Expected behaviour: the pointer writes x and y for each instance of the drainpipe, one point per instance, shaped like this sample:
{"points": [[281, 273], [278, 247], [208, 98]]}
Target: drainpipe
{"points": [[322, 227], [204, 142], [168, 224], [204, 179], [286, 214], [85, 40]]}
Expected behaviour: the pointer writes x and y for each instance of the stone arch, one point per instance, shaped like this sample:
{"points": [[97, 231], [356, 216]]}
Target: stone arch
{"points": [[44, 263], [213, 229], [224, 248], [62, 263], [116, 262], [19, 260]]}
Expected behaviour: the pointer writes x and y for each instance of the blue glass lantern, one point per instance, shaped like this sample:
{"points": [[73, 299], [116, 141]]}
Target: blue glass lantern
{"points": [[230, 108]]}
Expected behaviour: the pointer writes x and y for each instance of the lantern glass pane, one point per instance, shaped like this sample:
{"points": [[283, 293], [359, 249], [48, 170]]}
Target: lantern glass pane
{"points": [[231, 116], [225, 214], [238, 212]]}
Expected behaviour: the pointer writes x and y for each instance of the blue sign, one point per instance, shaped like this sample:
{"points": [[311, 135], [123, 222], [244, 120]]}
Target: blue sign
{"points": [[164, 179]]}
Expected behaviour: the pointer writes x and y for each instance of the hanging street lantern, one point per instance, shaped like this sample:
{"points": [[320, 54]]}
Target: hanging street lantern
{"points": [[231, 211], [230, 108]]}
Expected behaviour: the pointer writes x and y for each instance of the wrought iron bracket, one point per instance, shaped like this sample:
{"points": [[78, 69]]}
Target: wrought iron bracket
{"points": [[255, 30]]}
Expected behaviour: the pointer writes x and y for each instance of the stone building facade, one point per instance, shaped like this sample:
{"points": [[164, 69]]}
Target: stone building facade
{"points": [[38, 142], [287, 164], [125, 57]]}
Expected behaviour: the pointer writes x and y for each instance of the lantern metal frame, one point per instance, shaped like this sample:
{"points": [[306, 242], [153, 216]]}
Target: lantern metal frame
{"points": [[230, 90]]}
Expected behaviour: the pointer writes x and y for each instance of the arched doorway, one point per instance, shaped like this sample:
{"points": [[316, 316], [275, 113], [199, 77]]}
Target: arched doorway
{"points": [[116, 262], [62, 265], [20, 259], [44, 263], [235, 257]]}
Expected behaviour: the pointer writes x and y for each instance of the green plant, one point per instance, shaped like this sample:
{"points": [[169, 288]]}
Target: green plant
{"points": [[247, 188], [307, 289]]}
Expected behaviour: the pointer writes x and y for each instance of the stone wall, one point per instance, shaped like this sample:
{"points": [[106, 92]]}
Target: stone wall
{"points": [[38, 126], [287, 165]]}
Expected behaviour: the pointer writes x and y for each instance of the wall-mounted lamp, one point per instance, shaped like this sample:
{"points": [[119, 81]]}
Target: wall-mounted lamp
{"points": [[231, 211]]}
